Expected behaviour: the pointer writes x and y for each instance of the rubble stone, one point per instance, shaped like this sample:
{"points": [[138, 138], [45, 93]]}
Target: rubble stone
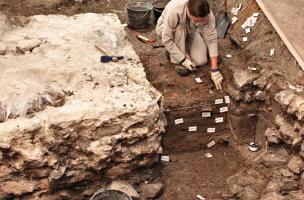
{"points": [[286, 130], [234, 93], [289, 185], [273, 186], [261, 82], [275, 157], [124, 187], [28, 45], [151, 191], [273, 135], [272, 196], [260, 95], [19, 187], [243, 78], [302, 150], [296, 164], [295, 195], [292, 102]]}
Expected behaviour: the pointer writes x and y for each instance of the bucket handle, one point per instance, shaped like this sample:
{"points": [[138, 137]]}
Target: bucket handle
{"points": [[157, 10], [141, 16], [147, 12]]}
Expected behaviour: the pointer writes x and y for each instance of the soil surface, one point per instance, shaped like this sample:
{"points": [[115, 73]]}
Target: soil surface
{"points": [[190, 172]]}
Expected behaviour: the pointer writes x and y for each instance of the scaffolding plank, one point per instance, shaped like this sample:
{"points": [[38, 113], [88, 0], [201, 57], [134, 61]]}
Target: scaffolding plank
{"points": [[287, 17]]}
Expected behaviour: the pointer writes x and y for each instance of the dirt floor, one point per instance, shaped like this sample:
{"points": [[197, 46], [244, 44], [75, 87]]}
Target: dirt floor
{"points": [[190, 172]]}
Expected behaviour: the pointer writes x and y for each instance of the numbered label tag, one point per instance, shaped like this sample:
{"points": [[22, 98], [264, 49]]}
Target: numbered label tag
{"points": [[229, 56], [247, 30], [192, 128], [271, 52], [219, 120], [208, 155], [227, 99], [198, 80], [206, 114], [211, 130], [218, 101], [224, 109], [211, 144], [179, 121], [256, 14], [165, 158]]}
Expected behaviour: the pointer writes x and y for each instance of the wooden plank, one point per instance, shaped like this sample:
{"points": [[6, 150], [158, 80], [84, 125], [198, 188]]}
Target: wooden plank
{"points": [[287, 17]]}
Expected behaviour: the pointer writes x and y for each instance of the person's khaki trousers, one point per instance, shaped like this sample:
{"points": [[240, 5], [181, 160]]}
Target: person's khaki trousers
{"points": [[192, 44]]}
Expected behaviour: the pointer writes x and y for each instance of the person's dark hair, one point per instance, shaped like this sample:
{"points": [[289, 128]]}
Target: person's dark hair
{"points": [[199, 8]]}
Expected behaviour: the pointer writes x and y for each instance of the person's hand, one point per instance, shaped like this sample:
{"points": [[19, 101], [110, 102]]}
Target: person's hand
{"points": [[217, 79], [189, 65]]}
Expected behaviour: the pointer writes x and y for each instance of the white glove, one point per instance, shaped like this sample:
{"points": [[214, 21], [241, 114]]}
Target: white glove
{"points": [[189, 65], [217, 79]]}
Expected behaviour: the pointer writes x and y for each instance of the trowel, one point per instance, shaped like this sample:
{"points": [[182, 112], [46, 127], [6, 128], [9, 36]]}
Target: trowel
{"points": [[223, 22]]}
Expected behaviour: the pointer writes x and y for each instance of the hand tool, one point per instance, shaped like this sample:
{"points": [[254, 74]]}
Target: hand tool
{"points": [[106, 57], [149, 41]]}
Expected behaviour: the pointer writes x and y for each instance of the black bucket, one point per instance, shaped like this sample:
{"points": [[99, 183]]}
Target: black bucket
{"points": [[157, 13], [139, 14], [104, 194], [158, 8]]}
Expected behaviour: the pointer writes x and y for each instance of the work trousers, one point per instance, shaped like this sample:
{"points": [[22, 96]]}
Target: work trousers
{"points": [[191, 43]]}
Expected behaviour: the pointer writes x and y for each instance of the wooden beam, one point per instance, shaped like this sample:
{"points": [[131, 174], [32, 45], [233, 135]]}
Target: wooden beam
{"points": [[283, 36]]}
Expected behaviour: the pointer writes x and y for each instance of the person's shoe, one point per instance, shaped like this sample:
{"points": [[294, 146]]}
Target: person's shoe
{"points": [[167, 55], [181, 70]]}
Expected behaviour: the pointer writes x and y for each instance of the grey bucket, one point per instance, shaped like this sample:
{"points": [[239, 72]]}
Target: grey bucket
{"points": [[104, 194], [139, 14]]}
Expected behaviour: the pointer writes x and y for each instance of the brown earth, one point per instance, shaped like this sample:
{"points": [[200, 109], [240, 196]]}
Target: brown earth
{"points": [[190, 172]]}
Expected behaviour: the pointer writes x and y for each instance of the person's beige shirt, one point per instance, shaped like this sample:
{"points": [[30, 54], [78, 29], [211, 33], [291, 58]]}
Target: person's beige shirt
{"points": [[175, 16]]}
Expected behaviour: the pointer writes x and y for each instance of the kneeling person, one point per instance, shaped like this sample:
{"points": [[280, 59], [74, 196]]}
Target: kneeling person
{"points": [[187, 29]]}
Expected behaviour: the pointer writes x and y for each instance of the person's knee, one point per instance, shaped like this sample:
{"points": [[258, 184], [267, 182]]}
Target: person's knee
{"points": [[200, 60]]}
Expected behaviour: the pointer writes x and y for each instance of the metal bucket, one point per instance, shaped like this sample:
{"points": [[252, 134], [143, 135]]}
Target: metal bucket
{"points": [[157, 13], [139, 14], [104, 194], [158, 8]]}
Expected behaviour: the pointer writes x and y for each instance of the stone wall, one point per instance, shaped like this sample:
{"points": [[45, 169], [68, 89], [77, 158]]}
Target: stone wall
{"points": [[112, 120]]}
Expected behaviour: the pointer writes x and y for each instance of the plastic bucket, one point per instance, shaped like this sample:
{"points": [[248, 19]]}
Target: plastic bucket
{"points": [[104, 194], [139, 14], [157, 12]]}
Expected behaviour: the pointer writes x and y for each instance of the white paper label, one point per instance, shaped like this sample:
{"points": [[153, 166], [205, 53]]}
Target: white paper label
{"points": [[219, 120], [245, 39], [165, 158], [229, 56], [271, 52], [198, 80], [200, 197], [211, 130], [256, 14], [218, 101], [244, 25], [227, 99], [224, 109], [206, 114], [211, 144], [234, 19], [247, 30], [208, 155], [252, 68], [179, 121], [192, 128]]}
